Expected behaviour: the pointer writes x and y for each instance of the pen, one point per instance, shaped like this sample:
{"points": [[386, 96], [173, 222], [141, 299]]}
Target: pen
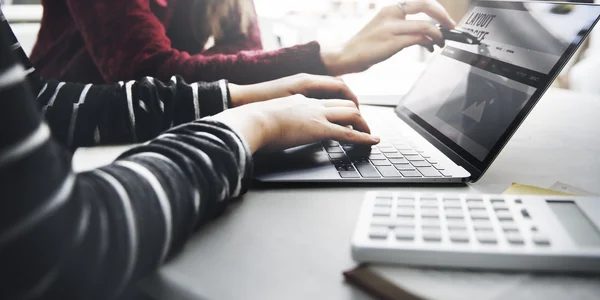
{"points": [[458, 35]]}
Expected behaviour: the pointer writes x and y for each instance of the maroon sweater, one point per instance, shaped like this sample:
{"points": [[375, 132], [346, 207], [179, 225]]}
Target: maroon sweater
{"points": [[112, 40]]}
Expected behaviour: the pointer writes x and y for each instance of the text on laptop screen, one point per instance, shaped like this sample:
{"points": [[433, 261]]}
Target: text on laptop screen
{"points": [[472, 93]]}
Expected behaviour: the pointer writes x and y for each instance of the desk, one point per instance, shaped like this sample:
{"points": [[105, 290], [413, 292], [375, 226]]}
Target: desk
{"points": [[293, 243]]}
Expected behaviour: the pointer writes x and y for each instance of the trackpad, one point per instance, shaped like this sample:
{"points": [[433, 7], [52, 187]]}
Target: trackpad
{"points": [[299, 163]]}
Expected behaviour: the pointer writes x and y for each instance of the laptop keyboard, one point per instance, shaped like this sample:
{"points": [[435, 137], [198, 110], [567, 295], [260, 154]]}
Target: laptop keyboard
{"points": [[388, 159]]}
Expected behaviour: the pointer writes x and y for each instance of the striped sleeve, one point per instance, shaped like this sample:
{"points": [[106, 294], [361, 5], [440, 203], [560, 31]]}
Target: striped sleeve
{"points": [[82, 115], [66, 235]]}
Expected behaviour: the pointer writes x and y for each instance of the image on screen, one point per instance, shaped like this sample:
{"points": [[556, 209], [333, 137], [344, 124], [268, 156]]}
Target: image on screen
{"points": [[472, 93]]}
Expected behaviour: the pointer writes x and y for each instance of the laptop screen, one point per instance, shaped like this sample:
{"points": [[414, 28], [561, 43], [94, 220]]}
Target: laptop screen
{"points": [[472, 97]]}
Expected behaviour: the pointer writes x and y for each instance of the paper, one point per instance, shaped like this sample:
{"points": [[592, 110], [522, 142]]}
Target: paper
{"points": [[523, 189], [451, 285], [441, 284], [565, 188]]}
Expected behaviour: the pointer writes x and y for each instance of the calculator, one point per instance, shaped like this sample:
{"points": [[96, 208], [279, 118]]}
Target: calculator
{"points": [[498, 232]]}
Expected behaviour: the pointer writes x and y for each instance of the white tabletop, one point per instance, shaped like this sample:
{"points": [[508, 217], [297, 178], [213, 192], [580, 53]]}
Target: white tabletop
{"points": [[294, 243]]}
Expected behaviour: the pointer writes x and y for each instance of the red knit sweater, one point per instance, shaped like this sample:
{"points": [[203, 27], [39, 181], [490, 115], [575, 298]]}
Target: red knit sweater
{"points": [[111, 40]]}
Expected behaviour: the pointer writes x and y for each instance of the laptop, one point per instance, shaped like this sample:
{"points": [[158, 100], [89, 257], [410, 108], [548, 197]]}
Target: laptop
{"points": [[462, 110]]}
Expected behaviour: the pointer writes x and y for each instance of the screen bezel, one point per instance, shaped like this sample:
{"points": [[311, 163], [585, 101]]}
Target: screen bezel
{"points": [[459, 155]]}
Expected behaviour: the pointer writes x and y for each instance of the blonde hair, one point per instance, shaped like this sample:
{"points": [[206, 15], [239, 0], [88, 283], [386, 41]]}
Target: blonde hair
{"points": [[221, 18]]}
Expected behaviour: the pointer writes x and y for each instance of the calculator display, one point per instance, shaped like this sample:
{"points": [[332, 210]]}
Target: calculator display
{"points": [[580, 228]]}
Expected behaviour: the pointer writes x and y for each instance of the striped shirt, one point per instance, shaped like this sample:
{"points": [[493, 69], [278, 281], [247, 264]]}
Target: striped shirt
{"points": [[82, 115], [90, 235]]}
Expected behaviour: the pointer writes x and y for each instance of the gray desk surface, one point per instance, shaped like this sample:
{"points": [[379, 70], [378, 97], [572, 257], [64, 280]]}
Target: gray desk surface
{"points": [[294, 243]]}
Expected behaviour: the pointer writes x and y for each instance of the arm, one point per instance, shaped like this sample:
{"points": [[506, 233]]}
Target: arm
{"points": [[128, 112], [126, 40], [90, 235]]}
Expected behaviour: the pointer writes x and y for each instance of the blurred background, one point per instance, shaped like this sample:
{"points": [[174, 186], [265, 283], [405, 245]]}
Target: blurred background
{"points": [[332, 22]]}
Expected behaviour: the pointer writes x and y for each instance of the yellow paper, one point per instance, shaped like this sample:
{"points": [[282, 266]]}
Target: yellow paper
{"points": [[523, 189]]}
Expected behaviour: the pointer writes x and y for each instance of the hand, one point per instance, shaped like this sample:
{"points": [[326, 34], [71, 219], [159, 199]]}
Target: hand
{"points": [[296, 120], [388, 33], [313, 86]]}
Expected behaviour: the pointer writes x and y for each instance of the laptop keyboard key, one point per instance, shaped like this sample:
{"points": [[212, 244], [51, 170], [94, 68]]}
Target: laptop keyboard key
{"points": [[429, 172], [409, 152], [334, 150], [393, 155], [342, 161], [398, 161], [349, 174], [404, 167], [377, 157], [387, 150], [411, 174], [367, 170], [420, 164], [446, 173], [381, 163], [337, 155], [388, 171], [415, 157]]}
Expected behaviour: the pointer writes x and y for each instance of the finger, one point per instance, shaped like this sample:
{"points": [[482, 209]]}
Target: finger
{"points": [[318, 86], [339, 103], [347, 116], [431, 8], [348, 135], [427, 44], [420, 27]]}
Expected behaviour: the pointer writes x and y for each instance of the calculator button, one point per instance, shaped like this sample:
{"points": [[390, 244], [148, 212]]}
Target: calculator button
{"points": [[429, 203], [430, 213], [405, 234], [378, 232], [514, 238], [541, 240], [483, 225], [459, 237], [454, 215], [382, 211], [475, 204], [453, 203], [477, 209], [432, 235], [486, 238], [457, 227], [479, 215], [504, 215], [383, 198], [406, 206], [392, 222], [499, 205], [383, 204], [510, 226], [430, 223], [406, 212], [453, 208]]}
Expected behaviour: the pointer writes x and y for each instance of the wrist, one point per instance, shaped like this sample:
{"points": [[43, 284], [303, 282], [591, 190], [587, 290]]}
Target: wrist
{"points": [[332, 61], [236, 95], [252, 126]]}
